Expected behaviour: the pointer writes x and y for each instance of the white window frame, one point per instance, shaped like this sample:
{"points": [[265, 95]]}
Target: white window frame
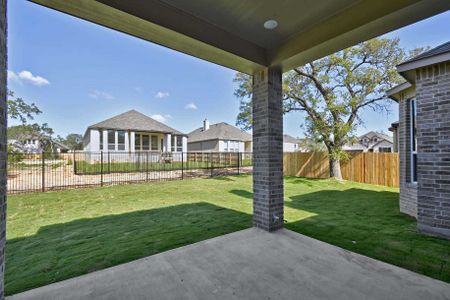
{"points": [[413, 116]]}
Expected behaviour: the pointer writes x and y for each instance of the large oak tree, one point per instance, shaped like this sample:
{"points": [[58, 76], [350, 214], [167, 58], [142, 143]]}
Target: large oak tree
{"points": [[333, 91]]}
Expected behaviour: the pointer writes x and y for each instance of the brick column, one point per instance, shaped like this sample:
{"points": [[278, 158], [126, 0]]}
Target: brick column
{"points": [[3, 144], [433, 140], [267, 149]]}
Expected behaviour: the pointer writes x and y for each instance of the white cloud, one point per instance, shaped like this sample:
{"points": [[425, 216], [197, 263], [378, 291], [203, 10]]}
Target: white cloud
{"points": [[12, 76], [35, 80], [96, 94], [191, 106], [161, 95], [161, 118], [27, 76]]}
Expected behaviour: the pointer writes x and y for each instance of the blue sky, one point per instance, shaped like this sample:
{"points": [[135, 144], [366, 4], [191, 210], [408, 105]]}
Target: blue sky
{"points": [[79, 73]]}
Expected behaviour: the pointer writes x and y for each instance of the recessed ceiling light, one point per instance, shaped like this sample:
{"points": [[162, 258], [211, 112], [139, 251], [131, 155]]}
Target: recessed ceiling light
{"points": [[270, 24]]}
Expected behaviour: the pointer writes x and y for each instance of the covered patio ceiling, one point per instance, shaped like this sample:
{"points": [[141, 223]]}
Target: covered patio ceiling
{"points": [[231, 32]]}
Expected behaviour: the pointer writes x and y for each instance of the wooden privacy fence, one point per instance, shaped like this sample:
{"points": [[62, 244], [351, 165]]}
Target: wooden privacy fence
{"points": [[373, 168]]}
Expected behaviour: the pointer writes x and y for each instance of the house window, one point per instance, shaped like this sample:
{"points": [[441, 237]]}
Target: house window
{"points": [[385, 149], [179, 144], [111, 140], [101, 139], [137, 142], [154, 143], [145, 142], [413, 131], [120, 140]]}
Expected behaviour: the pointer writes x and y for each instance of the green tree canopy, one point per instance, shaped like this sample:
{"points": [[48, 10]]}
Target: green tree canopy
{"points": [[333, 91]]}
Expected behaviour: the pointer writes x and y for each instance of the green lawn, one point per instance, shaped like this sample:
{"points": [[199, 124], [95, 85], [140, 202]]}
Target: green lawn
{"points": [[57, 235]]}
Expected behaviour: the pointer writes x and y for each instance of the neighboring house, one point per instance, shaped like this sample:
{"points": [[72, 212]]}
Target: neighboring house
{"points": [[424, 139], [34, 144], [371, 142], [133, 131], [220, 137], [292, 144], [395, 132]]}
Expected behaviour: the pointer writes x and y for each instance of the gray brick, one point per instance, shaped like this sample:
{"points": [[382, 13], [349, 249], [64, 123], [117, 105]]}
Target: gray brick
{"points": [[3, 145], [268, 149], [433, 130]]}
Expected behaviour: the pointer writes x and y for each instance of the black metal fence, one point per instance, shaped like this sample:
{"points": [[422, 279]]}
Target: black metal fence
{"points": [[47, 171]]}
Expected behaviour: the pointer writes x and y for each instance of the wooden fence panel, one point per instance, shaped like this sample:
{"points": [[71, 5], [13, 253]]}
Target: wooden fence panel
{"points": [[368, 167]]}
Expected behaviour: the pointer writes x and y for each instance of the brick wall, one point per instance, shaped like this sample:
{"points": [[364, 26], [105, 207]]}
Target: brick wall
{"points": [[267, 150], [408, 190], [433, 121], [3, 145]]}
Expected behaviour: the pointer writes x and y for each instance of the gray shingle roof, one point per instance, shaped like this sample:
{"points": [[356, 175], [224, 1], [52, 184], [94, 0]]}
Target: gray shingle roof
{"points": [[435, 51], [290, 139], [136, 121], [380, 135], [219, 131]]}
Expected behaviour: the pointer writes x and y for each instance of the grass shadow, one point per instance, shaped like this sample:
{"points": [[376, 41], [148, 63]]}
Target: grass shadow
{"points": [[62, 251], [370, 223], [222, 178], [242, 193], [303, 180]]}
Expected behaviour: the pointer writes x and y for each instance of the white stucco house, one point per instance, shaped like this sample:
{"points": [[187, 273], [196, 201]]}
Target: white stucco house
{"points": [[292, 144], [220, 137], [34, 144], [133, 131], [372, 142]]}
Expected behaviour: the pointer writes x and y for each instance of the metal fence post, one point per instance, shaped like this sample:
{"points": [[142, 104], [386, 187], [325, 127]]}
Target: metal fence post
{"points": [[239, 162], [43, 171], [182, 165], [101, 168], [211, 161], [74, 164], [109, 163], [146, 168]]}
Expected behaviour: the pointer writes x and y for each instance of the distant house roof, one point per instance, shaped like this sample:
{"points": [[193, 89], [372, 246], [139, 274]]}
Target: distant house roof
{"points": [[290, 139], [394, 125], [356, 146], [61, 145], [219, 131], [136, 121], [380, 135], [360, 146], [436, 55], [441, 49], [394, 93]]}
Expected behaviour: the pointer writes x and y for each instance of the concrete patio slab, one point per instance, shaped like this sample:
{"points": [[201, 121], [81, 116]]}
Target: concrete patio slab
{"points": [[249, 264]]}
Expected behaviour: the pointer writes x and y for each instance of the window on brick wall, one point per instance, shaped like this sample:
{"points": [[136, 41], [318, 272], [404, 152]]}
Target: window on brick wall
{"points": [[413, 131]]}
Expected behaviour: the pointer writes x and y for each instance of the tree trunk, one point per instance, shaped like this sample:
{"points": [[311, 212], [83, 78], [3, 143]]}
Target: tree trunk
{"points": [[335, 169]]}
